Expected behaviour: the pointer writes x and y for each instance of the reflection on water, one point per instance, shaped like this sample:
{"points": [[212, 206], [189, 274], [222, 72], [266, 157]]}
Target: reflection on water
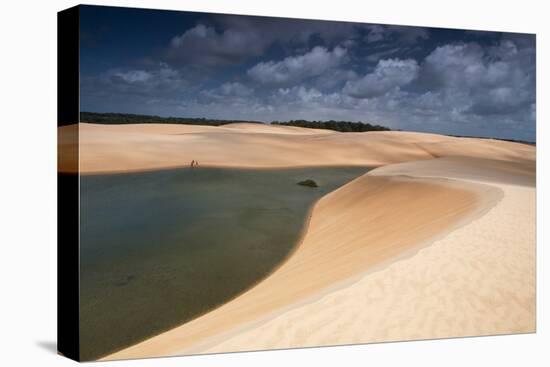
{"points": [[160, 248]]}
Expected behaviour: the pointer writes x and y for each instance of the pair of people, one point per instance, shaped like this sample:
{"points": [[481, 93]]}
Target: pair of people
{"points": [[194, 163]]}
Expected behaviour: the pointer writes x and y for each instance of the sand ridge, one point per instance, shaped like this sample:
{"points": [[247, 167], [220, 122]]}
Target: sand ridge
{"points": [[480, 279], [143, 147]]}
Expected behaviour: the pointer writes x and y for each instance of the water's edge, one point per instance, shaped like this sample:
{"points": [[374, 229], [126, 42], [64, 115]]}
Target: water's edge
{"points": [[161, 248]]}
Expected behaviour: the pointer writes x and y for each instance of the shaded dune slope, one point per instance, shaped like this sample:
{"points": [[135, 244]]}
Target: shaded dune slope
{"points": [[357, 228]]}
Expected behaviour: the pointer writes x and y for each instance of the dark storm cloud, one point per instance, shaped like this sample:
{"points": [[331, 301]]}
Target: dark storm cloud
{"points": [[292, 31], [377, 33], [412, 78], [224, 40], [204, 45]]}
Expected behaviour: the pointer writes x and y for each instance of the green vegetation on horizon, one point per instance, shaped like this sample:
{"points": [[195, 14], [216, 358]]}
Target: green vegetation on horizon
{"points": [[342, 126], [127, 118]]}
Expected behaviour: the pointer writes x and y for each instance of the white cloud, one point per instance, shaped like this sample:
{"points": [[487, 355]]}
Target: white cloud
{"points": [[296, 68], [310, 101], [133, 76], [236, 89], [383, 54], [228, 90], [455, 65], [497, 80], [159, 80], [334, 78], [388, 75]]}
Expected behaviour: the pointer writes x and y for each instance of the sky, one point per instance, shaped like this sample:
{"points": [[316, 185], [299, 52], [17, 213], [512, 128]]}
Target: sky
{"points": [[186, 64]]}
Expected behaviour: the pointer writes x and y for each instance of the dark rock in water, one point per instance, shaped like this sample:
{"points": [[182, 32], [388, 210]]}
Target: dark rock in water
{"points": [[308, 183], [125, 281]]}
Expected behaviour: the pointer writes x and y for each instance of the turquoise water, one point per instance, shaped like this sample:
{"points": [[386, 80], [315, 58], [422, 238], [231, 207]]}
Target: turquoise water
{"points": [[161, 248]]}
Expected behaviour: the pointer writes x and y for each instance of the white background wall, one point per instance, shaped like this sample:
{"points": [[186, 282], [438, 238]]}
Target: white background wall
{"points": [[28, 181]]}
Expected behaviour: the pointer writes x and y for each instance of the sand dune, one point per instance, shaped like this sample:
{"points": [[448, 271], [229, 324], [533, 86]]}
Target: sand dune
{"points": [[274, 129], [479, 279], [357, 228], [123, 148], [438, 241]]}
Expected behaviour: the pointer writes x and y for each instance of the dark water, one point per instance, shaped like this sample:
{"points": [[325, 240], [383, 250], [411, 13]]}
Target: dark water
{"points": [[161, 248]]}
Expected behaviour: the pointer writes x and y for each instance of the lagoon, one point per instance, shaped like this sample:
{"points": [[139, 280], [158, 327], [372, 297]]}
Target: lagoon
{"points": [[161, 248]]}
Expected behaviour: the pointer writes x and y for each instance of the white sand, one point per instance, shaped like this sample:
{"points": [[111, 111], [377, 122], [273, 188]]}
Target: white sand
{"points": [[477, 280], [438, 242]]}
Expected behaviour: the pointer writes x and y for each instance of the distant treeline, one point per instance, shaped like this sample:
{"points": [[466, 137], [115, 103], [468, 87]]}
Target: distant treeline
{"points": [[127, 118], [343, 126]]}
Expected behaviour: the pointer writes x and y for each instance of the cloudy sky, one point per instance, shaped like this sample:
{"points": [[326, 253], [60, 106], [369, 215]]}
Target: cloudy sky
{"points": [[265, 69]]}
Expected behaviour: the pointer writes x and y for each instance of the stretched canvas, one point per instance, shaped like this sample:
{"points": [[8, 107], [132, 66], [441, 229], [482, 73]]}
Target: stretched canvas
{"points": [[238, 183]]}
